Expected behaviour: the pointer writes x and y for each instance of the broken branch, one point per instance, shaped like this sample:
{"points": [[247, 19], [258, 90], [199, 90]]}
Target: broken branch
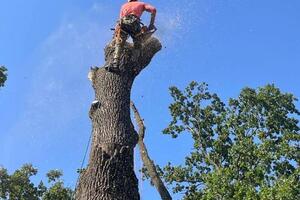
{"points": [[149, 164]]}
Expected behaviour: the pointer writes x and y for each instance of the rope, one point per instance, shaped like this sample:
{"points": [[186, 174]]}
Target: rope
{"points": [[82, 163]]}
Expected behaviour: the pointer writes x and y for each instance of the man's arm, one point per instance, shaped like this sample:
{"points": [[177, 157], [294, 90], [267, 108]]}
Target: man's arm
{"points": [[152, 10], [122, 12]]}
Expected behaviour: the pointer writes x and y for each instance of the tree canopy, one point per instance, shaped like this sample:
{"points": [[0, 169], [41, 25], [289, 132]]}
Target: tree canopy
{"points": [[3, 75], [247, 149], [18, 185]]}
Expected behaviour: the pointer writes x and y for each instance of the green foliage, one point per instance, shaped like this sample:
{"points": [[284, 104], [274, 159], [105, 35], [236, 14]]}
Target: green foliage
{"points": [[3, 75], [54, 175], [58, 191], [248, 149], [19, 186], [4, 183]]}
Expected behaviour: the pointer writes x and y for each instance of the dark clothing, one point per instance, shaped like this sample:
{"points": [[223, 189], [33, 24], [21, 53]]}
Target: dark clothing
{"points": [[127, 26], [130, 26]]}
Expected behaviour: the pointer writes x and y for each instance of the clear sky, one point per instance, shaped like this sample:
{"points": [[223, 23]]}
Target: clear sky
{"points": [[49, 46]]}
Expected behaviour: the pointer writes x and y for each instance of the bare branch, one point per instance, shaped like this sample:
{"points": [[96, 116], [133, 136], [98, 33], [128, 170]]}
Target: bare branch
{"points": [[149, 164]]}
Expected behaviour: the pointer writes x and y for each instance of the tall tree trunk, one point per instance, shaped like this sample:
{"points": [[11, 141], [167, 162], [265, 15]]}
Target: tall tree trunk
{"points": [[110, 172]]}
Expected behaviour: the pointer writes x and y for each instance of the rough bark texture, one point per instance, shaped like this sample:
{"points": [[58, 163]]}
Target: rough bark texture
{"points": [[149, 164], [110, 172]]}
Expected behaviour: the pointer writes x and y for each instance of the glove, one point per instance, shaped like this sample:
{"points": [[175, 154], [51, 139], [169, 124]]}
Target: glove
{"points": [[151, 27]]}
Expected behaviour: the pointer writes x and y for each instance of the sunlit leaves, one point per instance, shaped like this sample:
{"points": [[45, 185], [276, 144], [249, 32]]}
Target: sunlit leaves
{"points": [[248, 149], [19, 186], [57, 189], [54, 175]]}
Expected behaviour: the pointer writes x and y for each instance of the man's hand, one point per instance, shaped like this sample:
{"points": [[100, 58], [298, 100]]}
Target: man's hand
{"points": [[152, 21], [151, 27]]}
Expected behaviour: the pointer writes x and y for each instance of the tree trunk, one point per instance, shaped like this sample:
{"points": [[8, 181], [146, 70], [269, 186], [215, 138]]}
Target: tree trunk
{"points": [[110, 172]]}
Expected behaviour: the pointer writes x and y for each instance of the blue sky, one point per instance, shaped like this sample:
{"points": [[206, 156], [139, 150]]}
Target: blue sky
{"points": [[49, 46]]}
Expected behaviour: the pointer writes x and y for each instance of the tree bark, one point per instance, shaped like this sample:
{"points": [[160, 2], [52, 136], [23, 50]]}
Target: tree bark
{"points": [[110, 171]]}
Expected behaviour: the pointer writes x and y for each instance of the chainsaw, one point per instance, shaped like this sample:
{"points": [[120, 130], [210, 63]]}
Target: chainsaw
{"points": [[146, 33]]}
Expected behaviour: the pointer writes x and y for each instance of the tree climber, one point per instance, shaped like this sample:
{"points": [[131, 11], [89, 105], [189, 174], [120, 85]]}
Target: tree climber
{"points": [[129, 24]]}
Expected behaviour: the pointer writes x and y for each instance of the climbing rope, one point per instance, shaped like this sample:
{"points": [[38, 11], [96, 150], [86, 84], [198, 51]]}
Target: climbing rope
{"points": [[82, 163]]}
